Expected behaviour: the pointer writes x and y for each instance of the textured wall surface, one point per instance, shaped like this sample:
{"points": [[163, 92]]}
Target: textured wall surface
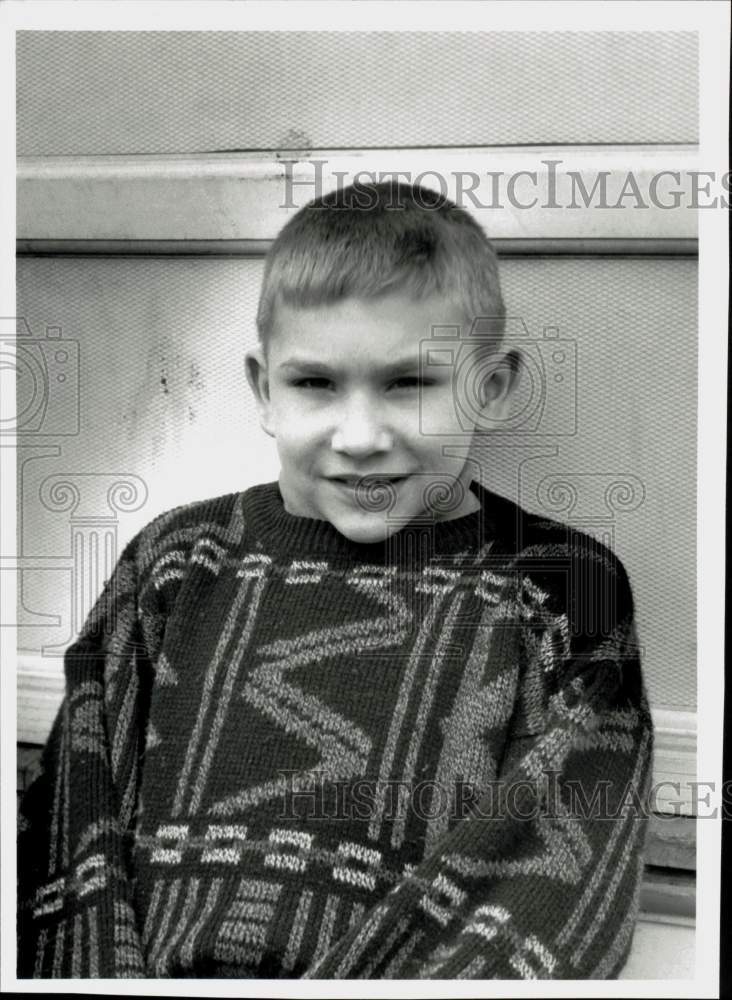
{"points": [[162, 396], [171, 92]]}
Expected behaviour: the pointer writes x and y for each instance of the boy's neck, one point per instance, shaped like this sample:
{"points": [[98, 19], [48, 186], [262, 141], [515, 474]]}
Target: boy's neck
{"points": [[455, 531]]}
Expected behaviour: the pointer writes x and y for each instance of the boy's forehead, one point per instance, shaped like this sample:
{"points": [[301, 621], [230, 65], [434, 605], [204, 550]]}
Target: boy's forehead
{"points": [[390, 328]]}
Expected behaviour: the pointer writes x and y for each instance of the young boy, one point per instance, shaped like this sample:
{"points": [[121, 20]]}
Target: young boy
{"points": [[371, 720]]}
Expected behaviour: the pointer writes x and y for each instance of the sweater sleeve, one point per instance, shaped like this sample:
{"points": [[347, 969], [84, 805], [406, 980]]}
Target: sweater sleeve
{"points": [[75, 916], [541, 879]]}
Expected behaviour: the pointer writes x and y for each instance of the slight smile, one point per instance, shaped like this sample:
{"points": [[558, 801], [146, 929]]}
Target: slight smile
{"points": [[367, 480]]}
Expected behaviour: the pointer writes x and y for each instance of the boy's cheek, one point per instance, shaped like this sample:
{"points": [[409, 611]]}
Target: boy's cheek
{"points": [[291, 420], [296, 443], [441, 416], [297, 436]]}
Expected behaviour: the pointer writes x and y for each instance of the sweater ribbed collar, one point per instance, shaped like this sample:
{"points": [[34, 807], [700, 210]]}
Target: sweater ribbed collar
{"points": [[294, 535]]}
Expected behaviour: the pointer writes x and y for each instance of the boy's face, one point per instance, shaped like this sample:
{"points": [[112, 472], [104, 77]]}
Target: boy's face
{"points": [[341, 394]]}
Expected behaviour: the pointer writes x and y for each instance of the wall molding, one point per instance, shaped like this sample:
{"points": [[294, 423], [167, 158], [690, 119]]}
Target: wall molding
{"points": [[248, 196], [258, 248], [674, 761]]}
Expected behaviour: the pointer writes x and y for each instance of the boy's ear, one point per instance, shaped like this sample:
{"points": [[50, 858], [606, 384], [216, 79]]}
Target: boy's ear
{"points": [[255, 366], [498, 385]]}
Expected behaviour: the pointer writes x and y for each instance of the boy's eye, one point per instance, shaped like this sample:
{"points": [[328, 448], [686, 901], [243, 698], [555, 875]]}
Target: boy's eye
{"points": [[315, 382], [412, 380], [302, 383]]}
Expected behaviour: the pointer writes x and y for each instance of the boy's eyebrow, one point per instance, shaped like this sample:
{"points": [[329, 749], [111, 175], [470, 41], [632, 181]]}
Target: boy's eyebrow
{"points": [[393, 367]]}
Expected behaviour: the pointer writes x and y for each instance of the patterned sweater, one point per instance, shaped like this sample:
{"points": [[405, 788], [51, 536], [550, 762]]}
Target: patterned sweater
{"points": [[284, 754]]}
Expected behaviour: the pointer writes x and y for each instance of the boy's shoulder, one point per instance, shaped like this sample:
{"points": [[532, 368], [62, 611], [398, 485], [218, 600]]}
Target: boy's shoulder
{"points": [[560, 558], [531, 535], [213, 524], [206, 510]]}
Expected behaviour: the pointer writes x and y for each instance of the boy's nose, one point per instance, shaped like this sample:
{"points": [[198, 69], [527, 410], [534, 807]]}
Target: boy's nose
{"points": [[361, 431]]}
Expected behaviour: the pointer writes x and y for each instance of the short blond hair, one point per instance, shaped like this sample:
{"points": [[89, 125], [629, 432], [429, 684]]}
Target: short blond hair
{"points": [[367, 240]]}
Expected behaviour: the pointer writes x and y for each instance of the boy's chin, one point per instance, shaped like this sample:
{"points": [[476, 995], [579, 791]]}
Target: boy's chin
{"points": [[364, 530]]}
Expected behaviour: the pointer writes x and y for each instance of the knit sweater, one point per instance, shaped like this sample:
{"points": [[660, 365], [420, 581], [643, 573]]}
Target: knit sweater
{"points": [[284, 754]]}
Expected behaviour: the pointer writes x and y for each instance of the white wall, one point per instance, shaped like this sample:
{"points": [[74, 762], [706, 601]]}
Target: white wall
{"points": [[183, 92]]}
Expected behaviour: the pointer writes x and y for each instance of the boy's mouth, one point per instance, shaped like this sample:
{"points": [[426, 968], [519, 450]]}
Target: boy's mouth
{"points": [[369, 478]]}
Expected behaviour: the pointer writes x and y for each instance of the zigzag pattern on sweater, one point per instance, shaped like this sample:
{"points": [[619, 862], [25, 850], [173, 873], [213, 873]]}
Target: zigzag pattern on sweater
{"points": [[332, 764]]}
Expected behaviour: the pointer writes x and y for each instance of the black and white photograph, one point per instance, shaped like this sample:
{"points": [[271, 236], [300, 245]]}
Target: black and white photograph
{"points": [[363, 497]]}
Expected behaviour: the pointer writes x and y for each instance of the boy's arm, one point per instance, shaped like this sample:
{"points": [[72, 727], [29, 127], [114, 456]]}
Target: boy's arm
{"points": [[542, 879], [75, 916]]}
